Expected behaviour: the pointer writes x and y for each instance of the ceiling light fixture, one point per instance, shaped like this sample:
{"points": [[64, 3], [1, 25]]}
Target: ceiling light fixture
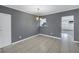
{"points": [[39, 17]]}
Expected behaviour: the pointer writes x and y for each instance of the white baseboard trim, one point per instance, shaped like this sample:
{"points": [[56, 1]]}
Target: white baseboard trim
{"points": [[35, 36], [25, 39], [50, 36], [76, 41]]}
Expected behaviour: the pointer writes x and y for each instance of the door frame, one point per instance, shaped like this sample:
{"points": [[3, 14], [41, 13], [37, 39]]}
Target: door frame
{"points": [[73, 25]]}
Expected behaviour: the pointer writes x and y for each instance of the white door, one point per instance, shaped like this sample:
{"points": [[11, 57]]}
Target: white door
{"points": [[5, 30]]}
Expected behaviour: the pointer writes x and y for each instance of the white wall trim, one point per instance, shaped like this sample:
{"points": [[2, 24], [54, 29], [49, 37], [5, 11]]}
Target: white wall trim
{"points": [[35, 36], [50, 36], [76, 41], [25, 39]]}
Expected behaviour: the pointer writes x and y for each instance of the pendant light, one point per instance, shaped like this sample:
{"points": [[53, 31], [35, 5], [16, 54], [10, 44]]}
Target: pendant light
{"points": [[38, 17]]}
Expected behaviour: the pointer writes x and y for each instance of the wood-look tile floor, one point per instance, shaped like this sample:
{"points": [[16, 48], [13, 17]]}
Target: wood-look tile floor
{"points": [[39, 44], [42, 44]]}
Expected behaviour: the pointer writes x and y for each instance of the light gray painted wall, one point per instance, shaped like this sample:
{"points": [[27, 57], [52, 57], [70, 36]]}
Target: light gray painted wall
{"points": [[23, 24], [54, 23]]}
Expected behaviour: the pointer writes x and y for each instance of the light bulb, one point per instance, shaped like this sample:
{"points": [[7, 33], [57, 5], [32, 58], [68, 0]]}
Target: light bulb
{"points": [[37, 18]]}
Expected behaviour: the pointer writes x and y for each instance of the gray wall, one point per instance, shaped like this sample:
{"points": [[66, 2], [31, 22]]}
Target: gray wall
{"points": [[23, 24], [54, 23]]}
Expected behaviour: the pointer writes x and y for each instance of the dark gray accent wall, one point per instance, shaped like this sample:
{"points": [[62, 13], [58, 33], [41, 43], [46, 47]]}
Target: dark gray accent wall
{"points": [[54, 23], [23, 24]]}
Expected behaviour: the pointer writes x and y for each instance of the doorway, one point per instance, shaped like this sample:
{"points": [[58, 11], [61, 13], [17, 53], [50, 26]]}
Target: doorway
{"points": [[67, 28], [5, 30]]}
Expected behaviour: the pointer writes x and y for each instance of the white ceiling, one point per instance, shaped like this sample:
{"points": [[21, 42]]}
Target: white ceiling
{"points": [[44, 9]]}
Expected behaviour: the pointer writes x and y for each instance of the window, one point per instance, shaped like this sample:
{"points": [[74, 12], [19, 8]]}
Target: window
{"points": [[43, 22]]}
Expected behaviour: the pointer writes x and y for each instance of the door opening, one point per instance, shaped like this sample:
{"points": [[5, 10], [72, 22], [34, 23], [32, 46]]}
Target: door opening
{"points": [[67, 28]]}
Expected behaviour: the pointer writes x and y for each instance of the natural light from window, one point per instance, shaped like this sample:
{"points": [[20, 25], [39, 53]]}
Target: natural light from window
{"points": [[43, 22]]}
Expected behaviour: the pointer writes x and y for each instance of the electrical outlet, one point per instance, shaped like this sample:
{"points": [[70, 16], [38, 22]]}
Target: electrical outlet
{"points": [[20, 37]]}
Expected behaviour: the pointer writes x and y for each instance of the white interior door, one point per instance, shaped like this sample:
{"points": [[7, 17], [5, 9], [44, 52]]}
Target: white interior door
{"points": [[5, 30]]}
